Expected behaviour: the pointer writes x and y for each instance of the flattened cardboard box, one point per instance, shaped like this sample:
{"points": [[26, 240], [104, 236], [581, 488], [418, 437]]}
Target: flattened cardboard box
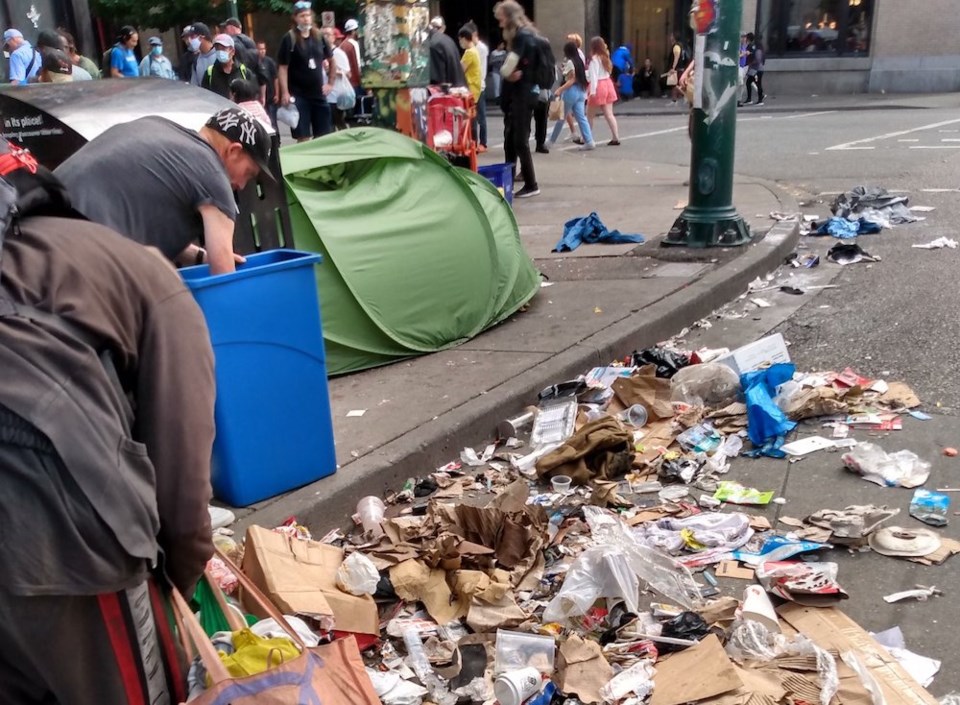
{"points": [[300, 578], [831, 629]]}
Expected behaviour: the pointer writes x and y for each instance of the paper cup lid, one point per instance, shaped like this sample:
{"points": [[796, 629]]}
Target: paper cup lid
{"points": [[898, 541]]}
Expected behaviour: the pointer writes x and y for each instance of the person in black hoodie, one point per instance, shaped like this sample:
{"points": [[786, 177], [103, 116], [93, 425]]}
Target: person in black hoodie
{"points": [[444, 57]]}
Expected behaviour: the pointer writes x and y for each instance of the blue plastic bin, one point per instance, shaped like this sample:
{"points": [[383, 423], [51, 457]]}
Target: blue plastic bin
{"points": [[501, 176], [274, 431]]}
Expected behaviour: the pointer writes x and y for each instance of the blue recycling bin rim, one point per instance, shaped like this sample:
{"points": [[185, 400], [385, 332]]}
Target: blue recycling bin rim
{"points": [[198, 277]]}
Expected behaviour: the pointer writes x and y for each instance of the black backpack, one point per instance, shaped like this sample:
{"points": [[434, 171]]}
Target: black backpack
{"points": [[543, 62]]}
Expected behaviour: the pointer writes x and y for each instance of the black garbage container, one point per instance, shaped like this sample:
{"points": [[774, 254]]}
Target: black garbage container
{"points": [[55, 120]]}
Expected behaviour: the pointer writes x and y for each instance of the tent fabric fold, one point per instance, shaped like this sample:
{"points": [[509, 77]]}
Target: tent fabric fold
{"points": [[419, 255]]}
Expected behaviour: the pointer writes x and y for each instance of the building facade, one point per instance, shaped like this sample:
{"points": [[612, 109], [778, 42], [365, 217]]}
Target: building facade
{"points": [[813, 46]]}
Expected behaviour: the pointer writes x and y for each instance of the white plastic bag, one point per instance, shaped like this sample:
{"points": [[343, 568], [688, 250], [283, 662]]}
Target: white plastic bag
{"points": [[289, 115], [901, 469], [358, 575]]}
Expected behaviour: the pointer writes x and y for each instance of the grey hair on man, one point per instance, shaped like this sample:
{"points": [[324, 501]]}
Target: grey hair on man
{"points": [[512, 17]]}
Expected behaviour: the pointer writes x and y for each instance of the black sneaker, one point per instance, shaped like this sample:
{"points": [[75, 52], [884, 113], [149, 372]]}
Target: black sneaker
{"points": [[542, 149], [760, 102], [527, 192]]}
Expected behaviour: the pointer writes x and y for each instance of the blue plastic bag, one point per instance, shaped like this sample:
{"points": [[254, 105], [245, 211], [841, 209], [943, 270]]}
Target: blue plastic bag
{"points": [[767, 425]]}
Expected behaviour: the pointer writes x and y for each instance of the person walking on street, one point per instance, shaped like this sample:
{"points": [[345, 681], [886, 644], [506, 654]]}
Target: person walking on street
{"points": [[351, 47], [24, 62], [484, 51], [334, 39], [123, 62], [471, 71], [602, 94], [226, 69], [272, 96], [84, 62], [203, 54], [520, 90], [155, 63], [300, 61], [106, 432], [573, 91], [571, 121], [676, 64], [57, 67], [444, 56], [50, 41], [176, 195], [755, 62]]}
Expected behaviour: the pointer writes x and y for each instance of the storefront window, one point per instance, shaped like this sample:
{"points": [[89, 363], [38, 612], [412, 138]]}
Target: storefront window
{"points": [[815, 27]]}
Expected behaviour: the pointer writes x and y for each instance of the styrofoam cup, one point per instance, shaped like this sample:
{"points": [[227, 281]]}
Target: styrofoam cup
{"points": [[513, 687], [757, 606]]}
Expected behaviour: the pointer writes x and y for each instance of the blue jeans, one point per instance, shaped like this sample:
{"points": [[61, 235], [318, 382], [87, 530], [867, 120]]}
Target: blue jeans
{"points": [[573, 102]]}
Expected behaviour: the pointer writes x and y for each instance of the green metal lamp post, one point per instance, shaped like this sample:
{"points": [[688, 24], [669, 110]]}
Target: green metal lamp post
{"points": [[232, 8], [710, 219]]}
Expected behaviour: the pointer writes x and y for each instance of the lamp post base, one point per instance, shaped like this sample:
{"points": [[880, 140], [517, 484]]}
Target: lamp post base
{"points": [[689, 230]]}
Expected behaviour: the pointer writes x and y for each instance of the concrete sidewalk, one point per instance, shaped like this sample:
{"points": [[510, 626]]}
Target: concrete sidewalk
{"points": [[600, 301]]}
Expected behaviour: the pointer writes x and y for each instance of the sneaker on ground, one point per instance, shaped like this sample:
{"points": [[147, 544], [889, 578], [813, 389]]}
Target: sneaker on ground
{"points": [[543, 149], [589, 146], [527, 192], [761, 102]]}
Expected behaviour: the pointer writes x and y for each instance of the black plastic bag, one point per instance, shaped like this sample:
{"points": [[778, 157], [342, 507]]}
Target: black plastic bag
{"points": [[686, 625], [668, 362]]}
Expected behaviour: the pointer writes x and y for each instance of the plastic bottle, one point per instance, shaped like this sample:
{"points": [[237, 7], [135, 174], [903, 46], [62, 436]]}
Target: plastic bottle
{"points": [[418, 661]]}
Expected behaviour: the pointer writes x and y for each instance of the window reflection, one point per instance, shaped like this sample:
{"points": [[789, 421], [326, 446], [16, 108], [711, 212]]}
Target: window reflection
{"points": [[816, 27]]}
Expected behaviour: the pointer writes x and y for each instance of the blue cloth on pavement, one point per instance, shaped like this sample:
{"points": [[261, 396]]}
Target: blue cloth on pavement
{"points": [[767, 425], [846, 229], [590, 229]]}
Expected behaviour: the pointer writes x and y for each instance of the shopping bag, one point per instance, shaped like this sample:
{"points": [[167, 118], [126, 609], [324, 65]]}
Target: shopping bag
{"points": [[672, 78], [556, 109], [332, 674]]}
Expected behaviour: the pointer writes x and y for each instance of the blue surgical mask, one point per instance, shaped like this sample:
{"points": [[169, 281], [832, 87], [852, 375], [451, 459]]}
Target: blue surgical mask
{"points": [[193, 44], [156, 51], [223, 56]]}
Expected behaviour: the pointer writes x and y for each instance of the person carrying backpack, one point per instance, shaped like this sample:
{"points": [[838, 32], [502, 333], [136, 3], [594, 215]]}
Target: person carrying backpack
{"points": [[523, 75]]}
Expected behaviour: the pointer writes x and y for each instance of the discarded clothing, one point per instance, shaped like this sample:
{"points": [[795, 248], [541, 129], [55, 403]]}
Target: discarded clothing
{"points": [[591, 230], [846, 229], [602, 449], [696, 533], [874, 203]]}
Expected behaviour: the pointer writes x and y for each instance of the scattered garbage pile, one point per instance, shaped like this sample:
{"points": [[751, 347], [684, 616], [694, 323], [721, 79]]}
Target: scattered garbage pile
{"points": [[578, 558]]}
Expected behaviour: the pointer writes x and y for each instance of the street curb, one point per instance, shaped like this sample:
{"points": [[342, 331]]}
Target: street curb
{"points": [[331, 501]]}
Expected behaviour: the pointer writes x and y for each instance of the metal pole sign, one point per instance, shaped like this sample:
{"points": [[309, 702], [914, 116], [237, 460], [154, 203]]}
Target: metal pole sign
{"points": [[710, 219]]}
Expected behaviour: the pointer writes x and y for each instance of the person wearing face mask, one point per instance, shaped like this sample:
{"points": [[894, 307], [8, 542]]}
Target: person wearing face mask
{"points": [[155, 63], [301, 59], [177, 195], [199, 42], [123, 62], [227, 68]]}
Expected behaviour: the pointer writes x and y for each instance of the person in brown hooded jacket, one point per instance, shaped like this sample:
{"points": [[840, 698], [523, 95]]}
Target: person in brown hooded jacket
{"points": [[106, 430]]}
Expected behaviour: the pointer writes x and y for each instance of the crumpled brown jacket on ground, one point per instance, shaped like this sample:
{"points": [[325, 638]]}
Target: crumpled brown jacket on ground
{"points": [[601, 449]]}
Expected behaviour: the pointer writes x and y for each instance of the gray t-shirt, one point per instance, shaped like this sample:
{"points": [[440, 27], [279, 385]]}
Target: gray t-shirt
{"points": [[146, 179]]}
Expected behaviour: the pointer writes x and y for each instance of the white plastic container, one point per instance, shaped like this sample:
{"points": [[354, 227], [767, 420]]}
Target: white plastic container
{"points": [[371, 510], [513, 687]]}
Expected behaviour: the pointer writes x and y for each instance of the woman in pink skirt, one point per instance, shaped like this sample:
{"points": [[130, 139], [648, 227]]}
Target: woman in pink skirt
{"points": [[602, 94]]}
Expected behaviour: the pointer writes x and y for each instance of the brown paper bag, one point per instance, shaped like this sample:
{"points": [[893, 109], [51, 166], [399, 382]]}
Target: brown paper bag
{"points": [[300, 578]]}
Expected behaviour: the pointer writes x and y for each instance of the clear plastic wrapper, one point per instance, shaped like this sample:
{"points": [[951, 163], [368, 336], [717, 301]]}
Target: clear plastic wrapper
{"points": [[711, 384], [901, 469]]}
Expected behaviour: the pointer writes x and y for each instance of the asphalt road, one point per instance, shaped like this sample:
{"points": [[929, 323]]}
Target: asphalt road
{"points": [[895, 319]]}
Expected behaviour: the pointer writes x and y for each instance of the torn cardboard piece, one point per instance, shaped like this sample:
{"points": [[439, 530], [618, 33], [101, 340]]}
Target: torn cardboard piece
{"points": [[415, 581], [582, 669], [700, 672], [299, 577], [832, 630], [732, 569]]}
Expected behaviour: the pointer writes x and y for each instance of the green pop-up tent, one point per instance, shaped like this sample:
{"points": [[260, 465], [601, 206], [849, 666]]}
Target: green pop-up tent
{"points": [[418, 255]]}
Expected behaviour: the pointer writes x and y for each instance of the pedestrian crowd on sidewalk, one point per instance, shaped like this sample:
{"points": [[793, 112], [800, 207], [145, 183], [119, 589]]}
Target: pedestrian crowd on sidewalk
{"points": [[315, 75]]}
